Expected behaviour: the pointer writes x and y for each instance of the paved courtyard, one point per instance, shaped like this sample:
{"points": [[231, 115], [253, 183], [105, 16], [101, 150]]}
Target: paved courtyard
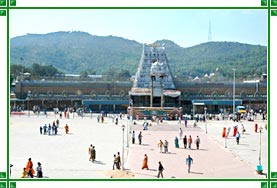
{"points": [[66, 155], [212, 160]]}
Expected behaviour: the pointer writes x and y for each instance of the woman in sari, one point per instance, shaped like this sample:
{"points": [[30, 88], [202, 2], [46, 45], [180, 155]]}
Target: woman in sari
{"points": [[176, 142], [66, 129], [145, 162], [29, 166], [224, 132]]}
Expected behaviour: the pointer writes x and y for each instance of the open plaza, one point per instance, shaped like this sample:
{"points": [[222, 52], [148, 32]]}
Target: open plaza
{"points": [[65, 156]]}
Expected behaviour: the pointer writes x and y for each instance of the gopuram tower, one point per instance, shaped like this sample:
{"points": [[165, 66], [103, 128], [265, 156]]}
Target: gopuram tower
{"points": [[153, 84]]}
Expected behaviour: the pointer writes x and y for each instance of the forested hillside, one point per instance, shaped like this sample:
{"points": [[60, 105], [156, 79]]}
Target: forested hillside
{"points": [[76, 52]]}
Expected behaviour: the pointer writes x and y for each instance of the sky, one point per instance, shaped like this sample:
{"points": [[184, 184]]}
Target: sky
{"points": [[186, 27]]}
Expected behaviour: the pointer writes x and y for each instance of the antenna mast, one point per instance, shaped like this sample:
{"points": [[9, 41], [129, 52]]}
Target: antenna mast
{"points": [[210, 32]]}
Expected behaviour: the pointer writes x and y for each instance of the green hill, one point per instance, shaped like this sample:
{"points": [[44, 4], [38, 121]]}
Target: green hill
{"points": [[74, 52]]}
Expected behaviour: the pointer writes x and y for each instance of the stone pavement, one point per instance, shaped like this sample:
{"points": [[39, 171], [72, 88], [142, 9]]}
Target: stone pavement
{"points": [[248, 149], [212, 160], [66, 156]]}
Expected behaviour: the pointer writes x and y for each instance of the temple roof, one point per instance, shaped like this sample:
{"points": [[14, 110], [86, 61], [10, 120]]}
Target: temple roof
{"points": [[154, 62], [147, 92]]}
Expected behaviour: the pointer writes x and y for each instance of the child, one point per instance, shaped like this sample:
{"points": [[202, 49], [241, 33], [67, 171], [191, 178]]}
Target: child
{"points": [[24, 173]]}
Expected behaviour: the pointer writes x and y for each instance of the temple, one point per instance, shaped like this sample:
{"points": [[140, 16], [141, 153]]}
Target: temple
{"points": [[154, 84], [152, 92]]}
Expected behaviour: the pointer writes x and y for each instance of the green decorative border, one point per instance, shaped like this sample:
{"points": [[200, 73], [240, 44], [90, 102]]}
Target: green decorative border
{"points": [[12, 184], [273, 2], [274, 12], [12, 2], [263, 2], [263, 184], [3, 3], [3, 184], [273, 184], [3, 175], [273, 175], [4, 11]]}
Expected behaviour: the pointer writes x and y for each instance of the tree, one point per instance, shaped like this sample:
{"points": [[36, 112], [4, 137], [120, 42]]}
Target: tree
{"points": [[83, 74], [44, 70], [123, 75]]}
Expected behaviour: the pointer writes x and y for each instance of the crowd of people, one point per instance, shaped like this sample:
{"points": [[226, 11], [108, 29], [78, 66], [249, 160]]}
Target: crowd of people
{"points": [[163, 144], [226, 133], [117, 161], [164, 148], [29, 171], [50, 129]]}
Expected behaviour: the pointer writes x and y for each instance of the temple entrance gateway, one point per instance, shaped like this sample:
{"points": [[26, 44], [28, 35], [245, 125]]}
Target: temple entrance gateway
{"points": [[154, 81]]}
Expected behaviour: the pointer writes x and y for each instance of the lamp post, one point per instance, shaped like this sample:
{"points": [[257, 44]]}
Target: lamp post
{"points": [[205, 109], [123, 126], [28, 100], [162, 95], [259, 166], [260, 148], [152, 88], [22, 67], [234, 91], [130, 120], [127, 126]]}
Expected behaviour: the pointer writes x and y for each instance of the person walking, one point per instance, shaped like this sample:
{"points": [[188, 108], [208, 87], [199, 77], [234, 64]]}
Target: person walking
{"points": [[102, 118], [56, 130], [166, 146], [40, 129], [235, 131], [197, 142], [180, 133], [237, 137], [57, 123], [116, 120], [176, 141], [31, 172], [145, 162], [133, 137], [256, 127], [180, 119], [44, 129], [49, 129], [140, 137], [98, 118], [228, 131], [189, 162], [118, 161], [160, 170], [243, 129], [189, 141], [115, 162], [185, 141], [29, 167], [89, 152], [53, 129], [66, 129], [160, 145], [93, 154], [39, 170], [186, 122], [224, 132]]}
